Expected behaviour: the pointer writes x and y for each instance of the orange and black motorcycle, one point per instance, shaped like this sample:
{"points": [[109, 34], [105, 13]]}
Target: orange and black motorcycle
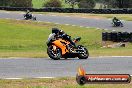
{"points": [[59, 48]]}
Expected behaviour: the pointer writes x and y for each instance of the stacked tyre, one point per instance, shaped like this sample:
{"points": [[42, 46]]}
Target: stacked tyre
{"points": [[117, 36]]}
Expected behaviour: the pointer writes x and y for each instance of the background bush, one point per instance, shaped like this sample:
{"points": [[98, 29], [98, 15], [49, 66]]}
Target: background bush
{"points": [[16, 3], [4, 2], [53, 3], [20, 3], [86, 4]]}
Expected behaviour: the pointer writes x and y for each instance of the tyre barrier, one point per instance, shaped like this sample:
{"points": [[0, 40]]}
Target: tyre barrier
{"points": [[117, 36], [69, 10]]}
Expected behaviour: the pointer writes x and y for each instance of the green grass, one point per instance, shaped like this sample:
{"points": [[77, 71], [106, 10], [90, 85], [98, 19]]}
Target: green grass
{"points": [[28, 39], [37, 3], [55, 83], [26, 35]]}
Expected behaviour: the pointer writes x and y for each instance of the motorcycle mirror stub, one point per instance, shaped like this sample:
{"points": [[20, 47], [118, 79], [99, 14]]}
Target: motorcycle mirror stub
{"points": [[101, 78]]}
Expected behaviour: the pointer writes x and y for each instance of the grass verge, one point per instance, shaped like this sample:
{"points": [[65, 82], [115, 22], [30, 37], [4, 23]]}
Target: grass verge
{"points": [[55, 83], [19, 38]]}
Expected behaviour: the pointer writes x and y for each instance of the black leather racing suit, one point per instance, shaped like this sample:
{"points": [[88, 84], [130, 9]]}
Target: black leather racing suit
{"points": [[61, 34]]}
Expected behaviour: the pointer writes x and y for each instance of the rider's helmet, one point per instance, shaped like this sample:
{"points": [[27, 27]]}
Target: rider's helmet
{"points": [[114, 18], [61, 32], [28, 10], [55, 30]]}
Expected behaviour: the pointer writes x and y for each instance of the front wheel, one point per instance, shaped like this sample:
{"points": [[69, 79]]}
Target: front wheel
{"points": [[85, 53], [25, 18], [121, 24], [54, 54], [34, 18]]}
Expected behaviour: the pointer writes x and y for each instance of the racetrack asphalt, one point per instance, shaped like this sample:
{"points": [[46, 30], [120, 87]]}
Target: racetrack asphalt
{"points": [[86, 22], [45, 67]]}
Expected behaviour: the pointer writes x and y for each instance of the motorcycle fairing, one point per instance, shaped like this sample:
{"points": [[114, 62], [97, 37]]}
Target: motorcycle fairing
{"points": [[62, 46]]}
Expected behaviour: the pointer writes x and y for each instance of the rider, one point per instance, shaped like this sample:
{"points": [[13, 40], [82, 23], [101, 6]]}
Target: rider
{"points": [[28, 13], [115, 20], [62, 34]]}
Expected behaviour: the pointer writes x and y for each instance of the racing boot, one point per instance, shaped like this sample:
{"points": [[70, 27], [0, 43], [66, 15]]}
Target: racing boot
{"points": [[70, 48]]}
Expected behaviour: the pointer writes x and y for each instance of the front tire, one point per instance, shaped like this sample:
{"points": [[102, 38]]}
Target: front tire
{"points": [[85, 54], [121, 24], [34, 18], [54, 54]]}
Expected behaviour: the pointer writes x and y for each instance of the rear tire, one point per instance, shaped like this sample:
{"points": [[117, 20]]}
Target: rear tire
{"points": [[86, 53], [55, 55]]}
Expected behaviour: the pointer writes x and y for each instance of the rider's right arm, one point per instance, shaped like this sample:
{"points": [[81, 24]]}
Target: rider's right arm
{"points": [[51, 36]]}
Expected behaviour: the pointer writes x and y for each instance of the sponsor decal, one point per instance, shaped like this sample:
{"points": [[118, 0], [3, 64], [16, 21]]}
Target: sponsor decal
{"points": [[83, 78]]}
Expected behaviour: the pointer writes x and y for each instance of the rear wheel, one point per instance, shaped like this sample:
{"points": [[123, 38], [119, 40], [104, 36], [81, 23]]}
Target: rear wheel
{"points": [[54, 54], [85, 53]]}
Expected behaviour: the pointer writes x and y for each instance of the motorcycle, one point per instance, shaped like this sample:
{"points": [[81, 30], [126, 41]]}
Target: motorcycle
{"points": [[117, 24], [58, 48], [29, 16]]}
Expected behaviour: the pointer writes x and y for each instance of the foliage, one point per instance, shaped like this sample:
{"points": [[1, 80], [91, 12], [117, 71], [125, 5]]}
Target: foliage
{"points": [[86, 4], [118, 3], [4, 3], [16, 3], [72, 3], [53, 3]]}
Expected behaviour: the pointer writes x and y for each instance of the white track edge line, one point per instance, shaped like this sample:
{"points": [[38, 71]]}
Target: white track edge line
{"points": [[32, 78], [89, 57], [113, 56]]}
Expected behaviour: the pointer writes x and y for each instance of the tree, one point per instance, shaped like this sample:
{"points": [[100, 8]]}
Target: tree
{"points": [[4, 2], [72, 3], [124, 3], [53, 3], [16, 3], [86, 4], [20, 3], [98, 0], [118, 3]]}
